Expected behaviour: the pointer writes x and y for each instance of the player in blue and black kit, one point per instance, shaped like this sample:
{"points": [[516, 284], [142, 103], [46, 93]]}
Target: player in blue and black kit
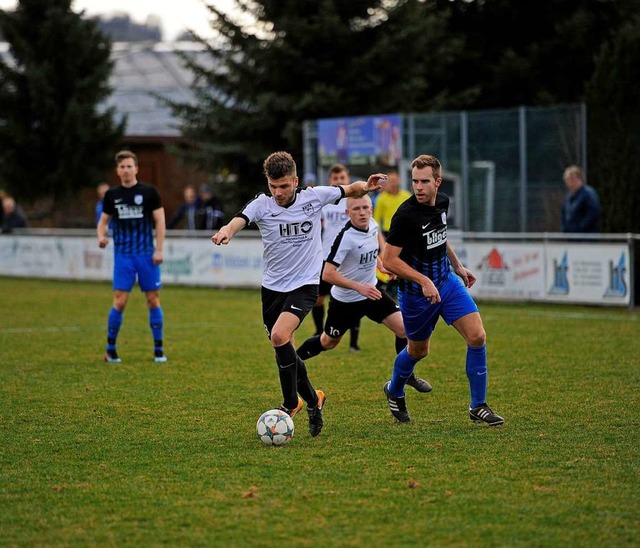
{"points": [[135, 209], [432, 283]]}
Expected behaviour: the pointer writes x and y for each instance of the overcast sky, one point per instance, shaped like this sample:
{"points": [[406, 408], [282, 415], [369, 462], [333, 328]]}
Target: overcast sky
{"points": [[175, 15]]}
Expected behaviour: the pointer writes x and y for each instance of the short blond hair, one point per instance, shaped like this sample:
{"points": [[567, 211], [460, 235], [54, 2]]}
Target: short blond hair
{"points": [[365, 197]]}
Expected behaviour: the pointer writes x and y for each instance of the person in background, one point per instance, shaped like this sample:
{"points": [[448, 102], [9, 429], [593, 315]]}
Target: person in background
{"points": [[12, 215], [210, 215], [581, 206], [3, 195], [186, 214], [388, 201], [136, 209], [334, 219], [350, 268], [433, 283], [290, 228], [101, 190]]}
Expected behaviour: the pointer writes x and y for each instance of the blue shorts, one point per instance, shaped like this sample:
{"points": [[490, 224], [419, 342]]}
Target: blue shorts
{"points": [[125, 270], [420, 317]]}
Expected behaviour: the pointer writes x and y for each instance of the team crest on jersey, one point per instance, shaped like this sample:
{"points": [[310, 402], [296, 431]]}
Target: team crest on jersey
{"points": [[444, 218], [137, 199], [308, 210]]}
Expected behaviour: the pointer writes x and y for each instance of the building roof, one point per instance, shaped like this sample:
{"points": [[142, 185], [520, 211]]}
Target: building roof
{"points": [[142, 69]]}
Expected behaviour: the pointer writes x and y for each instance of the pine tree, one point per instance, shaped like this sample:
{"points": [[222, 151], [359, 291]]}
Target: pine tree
{"points": [[614, 138], [56, 136], [301, 60]]}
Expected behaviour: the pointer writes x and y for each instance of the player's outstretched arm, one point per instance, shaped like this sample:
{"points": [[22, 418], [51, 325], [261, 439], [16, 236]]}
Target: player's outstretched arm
{"points": [[224, 235], [360, 188]]}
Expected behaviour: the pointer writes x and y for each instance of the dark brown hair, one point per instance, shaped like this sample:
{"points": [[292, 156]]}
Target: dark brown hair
{"points": [[123, 154], [279, 165]]}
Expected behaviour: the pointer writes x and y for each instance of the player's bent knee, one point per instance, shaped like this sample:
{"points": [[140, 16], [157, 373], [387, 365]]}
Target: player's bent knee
{"points": [[278, 339], [477, 339]]}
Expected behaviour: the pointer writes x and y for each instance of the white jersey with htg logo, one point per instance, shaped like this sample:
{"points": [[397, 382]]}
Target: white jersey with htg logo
{"points": [[291, 236], [355, 255]]}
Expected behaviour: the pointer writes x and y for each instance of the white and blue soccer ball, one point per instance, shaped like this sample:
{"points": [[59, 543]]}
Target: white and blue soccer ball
{"points": [[275, 427]]}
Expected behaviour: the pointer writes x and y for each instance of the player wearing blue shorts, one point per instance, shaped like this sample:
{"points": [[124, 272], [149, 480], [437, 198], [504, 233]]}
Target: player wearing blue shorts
{"points": [[350, 268], [432, 283], [134, 210], [289, 223]]}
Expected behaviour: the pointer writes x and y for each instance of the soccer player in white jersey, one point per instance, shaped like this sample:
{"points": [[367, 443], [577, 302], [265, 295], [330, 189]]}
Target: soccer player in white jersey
{"points": [[289, 223], [334, 217], [350, 268]]}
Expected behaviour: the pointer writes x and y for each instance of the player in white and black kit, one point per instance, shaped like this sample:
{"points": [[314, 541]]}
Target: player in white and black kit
{"points": [[433, 283], [289, 223], [350, 268], [334, 217]]}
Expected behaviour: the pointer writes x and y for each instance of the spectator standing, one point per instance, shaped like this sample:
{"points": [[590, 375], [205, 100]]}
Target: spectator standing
{"points": [[3, 195], [187, 213], [290, 228], [581, 206], [12, 215], [433, 283], [210, 215], [136, 209]]}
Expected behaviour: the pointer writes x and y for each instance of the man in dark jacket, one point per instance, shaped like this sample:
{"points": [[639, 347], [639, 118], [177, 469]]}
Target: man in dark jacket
{"points": [[581, 207]]}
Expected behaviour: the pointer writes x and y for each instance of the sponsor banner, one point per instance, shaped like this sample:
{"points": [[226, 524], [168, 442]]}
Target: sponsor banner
{"points": [[513, 271], [54, 257], [186, 261], [588, 273], [360, 140], [199, 262]]}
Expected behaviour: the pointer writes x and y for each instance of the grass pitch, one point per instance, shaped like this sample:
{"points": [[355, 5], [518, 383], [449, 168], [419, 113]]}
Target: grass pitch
{"points": [[146, 454]]}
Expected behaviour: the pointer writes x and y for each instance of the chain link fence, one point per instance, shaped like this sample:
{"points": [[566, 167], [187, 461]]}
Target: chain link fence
{"points": [[502, 167]]}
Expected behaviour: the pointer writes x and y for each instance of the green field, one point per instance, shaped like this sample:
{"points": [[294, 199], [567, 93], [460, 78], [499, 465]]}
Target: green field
{"points": [[145, 454]]}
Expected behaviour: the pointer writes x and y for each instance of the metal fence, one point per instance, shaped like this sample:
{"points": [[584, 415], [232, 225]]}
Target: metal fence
{"points": [[503, 167]]}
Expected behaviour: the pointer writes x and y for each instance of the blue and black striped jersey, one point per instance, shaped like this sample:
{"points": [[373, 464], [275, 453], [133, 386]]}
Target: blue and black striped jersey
{"points": [[421, 231], [132, 210]]}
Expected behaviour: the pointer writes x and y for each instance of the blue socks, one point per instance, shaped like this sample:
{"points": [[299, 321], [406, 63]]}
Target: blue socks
{"points": [[477, 374], [156, 322], [402, 369], [114, 322]]}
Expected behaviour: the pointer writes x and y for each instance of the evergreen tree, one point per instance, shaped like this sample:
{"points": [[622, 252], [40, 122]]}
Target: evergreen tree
{"points": [[55, 135], [307, 59], [614, 137], [529, 52], [302, 60]]}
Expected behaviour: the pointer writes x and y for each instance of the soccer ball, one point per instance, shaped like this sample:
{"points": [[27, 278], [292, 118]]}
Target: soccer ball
{"points": [[275, 427]]}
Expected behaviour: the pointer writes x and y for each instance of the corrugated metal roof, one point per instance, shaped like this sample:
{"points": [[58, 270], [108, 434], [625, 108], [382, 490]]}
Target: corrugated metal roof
{"points": [[140, 70]]}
